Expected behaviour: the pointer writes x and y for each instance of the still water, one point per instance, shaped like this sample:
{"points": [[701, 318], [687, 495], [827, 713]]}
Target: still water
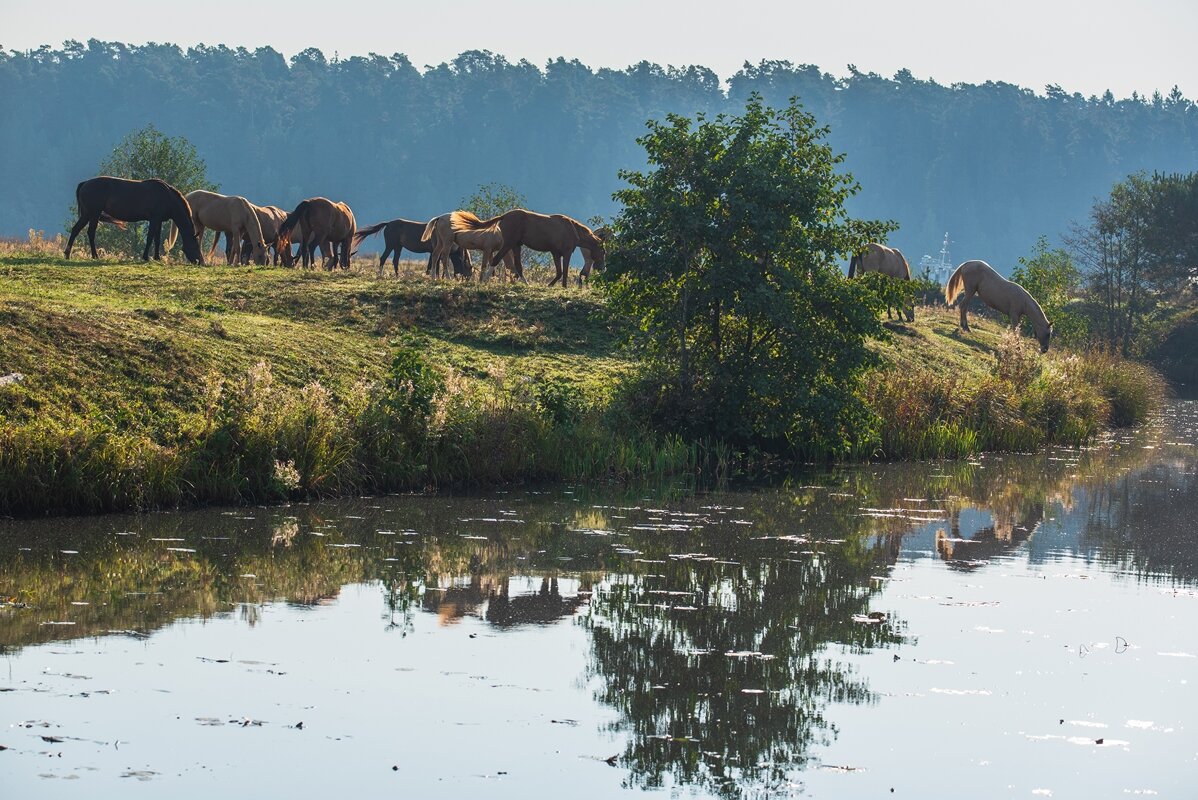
{"points": [[1013, 626]]}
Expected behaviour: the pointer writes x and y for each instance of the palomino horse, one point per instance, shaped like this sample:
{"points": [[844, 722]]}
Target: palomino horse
{"points": [[556, 234], [269, 218], [231, 215], [978, 277], [404, 233], [117, 200], [325, 223], [887, 261], [459, 230]]}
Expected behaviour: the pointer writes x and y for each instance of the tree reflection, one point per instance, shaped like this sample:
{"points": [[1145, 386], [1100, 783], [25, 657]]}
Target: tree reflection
{"points": [[717, 655]]}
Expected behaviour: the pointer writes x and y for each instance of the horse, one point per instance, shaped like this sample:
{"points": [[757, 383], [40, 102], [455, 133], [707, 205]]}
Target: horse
{"points": [[324, 223], [465, 232], [556, 234], [448, 232], [404, 233], [1007, 297], [119, 200], [887, 261], [269, 219], [231, 215]]}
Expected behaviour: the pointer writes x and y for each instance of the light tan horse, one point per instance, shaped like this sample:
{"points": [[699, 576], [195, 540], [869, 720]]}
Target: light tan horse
{"points": [[887, 261], [231, 215], [556, 234], [461, 229], [270, 218], [325, 223], [978, 277]]}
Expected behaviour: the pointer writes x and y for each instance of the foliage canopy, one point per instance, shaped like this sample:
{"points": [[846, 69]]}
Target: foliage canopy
{"points": [[726, 259]]}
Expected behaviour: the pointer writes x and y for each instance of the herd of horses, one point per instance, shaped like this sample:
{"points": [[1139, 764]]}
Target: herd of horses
{"points": [[266, 234], [252, 231]]}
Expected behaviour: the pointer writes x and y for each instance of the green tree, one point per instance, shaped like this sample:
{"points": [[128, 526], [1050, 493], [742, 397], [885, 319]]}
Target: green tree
{"points": [[1052, 278], [1139, 254], [142, 154], [726, 258], [492, 199]]}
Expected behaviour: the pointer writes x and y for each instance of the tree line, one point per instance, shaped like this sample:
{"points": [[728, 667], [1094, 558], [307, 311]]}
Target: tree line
{"points": [[995, 165]]}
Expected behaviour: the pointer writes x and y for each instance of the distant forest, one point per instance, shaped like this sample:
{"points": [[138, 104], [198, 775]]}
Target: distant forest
{"points": [[994, 165]]}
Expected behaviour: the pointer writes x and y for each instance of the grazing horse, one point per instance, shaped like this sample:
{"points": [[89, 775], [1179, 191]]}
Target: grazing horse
{"points": [[231, 215], [118, 200], [404, 233], [887, 261], [324, 223], [269, 219], [978, 277], [556, 234]]}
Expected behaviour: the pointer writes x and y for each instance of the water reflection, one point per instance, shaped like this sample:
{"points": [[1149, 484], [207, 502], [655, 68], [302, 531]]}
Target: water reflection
{"points": [[719, 628]]}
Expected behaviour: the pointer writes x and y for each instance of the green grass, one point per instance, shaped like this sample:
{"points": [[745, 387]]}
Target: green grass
{"points": [[157, 385]]}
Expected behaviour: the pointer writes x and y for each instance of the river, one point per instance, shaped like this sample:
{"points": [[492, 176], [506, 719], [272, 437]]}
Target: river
{"points": [[1010, 626]]}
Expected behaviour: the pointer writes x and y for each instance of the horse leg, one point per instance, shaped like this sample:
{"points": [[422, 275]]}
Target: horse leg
{"points": [[91, 236], [145, 254], [156, 231], [80, 225], [566, 268], [964, 303]]}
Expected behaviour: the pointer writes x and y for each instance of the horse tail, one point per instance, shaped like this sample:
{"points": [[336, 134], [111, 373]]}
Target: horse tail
{"points": [[469, 221], [955, 285], [854, 262], [362, 233], [171, 236], [430, 230], [293, 218]]}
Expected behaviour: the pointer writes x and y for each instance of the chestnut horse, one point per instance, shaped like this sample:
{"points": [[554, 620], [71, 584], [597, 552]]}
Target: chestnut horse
{"points": [[404, 233], [887, 261], [556, 234], [978, 277], [119, 200], [325, 223], [457, 230]]}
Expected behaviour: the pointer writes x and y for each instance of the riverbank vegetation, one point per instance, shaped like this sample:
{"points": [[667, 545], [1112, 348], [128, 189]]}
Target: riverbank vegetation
{"points": [[159, 385]]}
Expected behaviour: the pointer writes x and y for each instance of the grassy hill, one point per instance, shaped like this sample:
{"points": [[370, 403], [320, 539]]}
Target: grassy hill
{"points": [[149, 385]]}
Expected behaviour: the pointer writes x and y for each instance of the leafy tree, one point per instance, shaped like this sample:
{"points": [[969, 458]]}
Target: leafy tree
{"points": [[1052, 278], [1139, 253], [492, 199], [142, 154], [726, 258]]}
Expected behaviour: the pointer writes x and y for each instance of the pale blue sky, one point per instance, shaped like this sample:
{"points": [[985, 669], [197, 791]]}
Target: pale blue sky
{"points": [[1084, 46]]}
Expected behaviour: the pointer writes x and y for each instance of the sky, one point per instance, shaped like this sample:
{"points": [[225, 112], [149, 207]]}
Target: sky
{"points": [[1085, 47]]}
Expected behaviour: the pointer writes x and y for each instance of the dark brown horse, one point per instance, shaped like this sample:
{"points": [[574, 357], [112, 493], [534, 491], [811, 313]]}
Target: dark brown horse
{"points": [[325, 223], [555, 234], [399, 234], [118, 200]]}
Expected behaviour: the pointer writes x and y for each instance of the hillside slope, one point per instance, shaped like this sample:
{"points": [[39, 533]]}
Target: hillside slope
{"points": [[149, 385]]}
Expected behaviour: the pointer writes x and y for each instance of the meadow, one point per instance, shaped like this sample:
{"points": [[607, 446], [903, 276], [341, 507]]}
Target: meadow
{"points": [[152, 385]]}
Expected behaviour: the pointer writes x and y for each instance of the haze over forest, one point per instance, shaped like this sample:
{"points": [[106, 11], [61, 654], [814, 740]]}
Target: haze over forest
{"points": [[994, 165]]}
